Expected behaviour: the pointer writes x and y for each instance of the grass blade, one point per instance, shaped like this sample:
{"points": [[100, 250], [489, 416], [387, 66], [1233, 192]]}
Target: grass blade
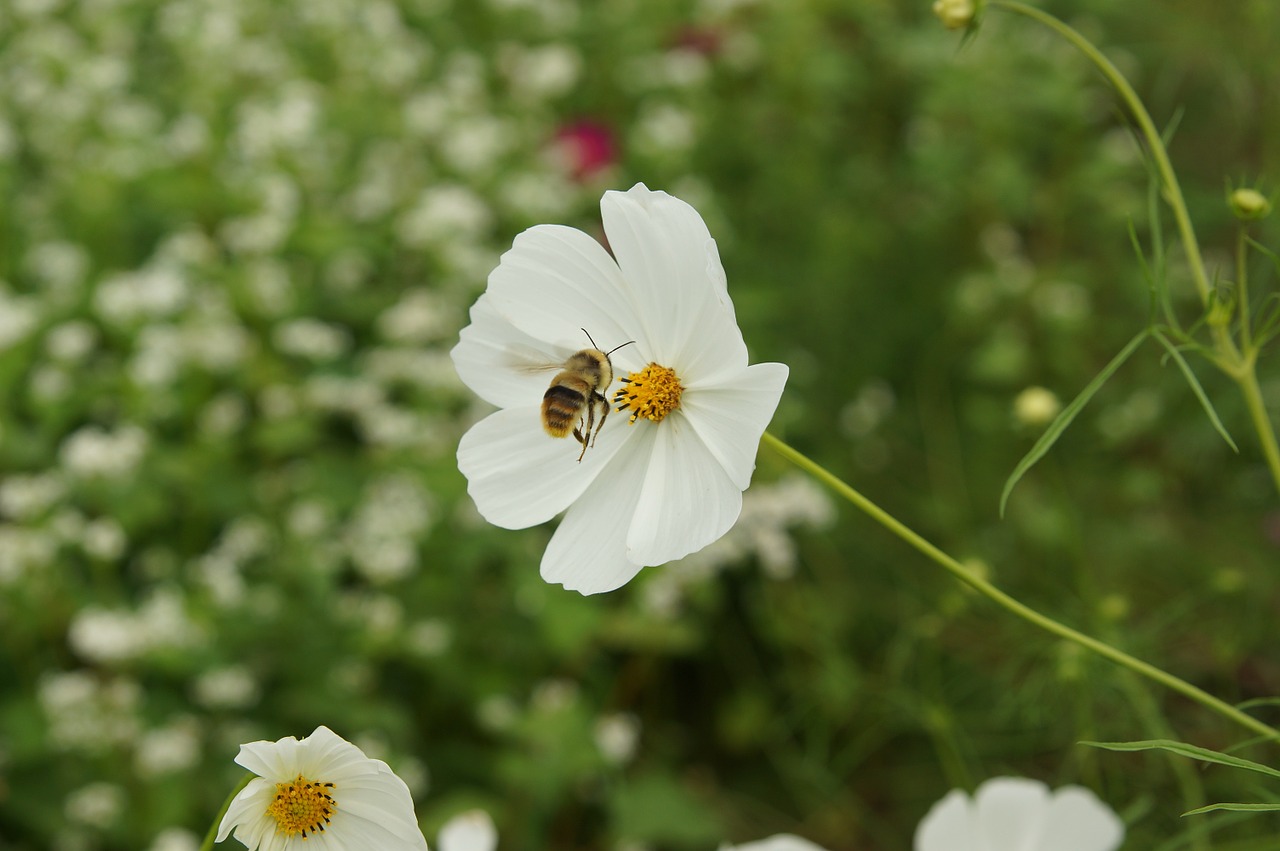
{"points": [[1197, 389], [1183, 749], [1060, 422], [1239, 808]]}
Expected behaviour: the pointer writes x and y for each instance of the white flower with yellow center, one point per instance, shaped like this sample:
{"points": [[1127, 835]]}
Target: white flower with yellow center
{"points": [[321, 793], [1016, 814], [665, 477]]}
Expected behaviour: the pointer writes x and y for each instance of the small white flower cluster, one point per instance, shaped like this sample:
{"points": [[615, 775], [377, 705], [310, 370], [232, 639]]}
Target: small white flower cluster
{"points": [[88, 714], [113, 636], [383, 534], [94, 452]]}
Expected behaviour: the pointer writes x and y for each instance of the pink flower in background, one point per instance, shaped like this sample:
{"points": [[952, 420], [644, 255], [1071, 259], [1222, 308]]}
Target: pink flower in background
{"points": [[588, 147]]}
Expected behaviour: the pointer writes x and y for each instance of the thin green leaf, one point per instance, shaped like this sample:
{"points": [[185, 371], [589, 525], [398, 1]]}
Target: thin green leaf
{"points": [[1197, 389], [1258, 701], [1060, 422], [1238, 808], [1192, 751]]}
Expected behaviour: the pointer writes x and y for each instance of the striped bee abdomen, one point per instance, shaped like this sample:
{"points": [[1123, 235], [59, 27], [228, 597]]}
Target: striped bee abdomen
{"points": [[562, 408]]}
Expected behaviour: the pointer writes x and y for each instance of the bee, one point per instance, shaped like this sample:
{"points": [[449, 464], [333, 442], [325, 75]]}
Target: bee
{"points": [[577, 388]]}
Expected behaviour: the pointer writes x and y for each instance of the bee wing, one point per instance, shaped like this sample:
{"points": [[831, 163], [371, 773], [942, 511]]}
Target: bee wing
{"points": [[527, 359]]}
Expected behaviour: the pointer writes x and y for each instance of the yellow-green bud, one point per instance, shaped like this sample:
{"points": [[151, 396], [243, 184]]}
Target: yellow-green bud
{"points": [[1114, 607], [955, 14], [1249, 204], [1221, 311], [1036, 406]]}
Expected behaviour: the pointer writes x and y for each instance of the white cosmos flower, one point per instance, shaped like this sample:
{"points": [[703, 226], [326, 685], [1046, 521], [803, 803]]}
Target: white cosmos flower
{"points": [[323, 794], [780, 842], [666, 475], [1016, 814], [469, 831]]}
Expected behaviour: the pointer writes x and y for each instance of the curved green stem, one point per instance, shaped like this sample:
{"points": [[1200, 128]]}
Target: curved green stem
{"points": [[1172, 190], [995, 595], [209, 837]]}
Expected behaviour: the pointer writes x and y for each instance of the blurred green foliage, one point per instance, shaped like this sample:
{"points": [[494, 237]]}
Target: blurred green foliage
{"points": [[238, 239]]}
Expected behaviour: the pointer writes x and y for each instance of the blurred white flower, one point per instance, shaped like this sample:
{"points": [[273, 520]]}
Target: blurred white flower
{"points": [[664, 129], [96, 805], [470, 831], [540, 72], [616, 736], [93, 451], [313, 339], [175, 747], [670, 481], [430, 637], [232, 687], [175, 839], [783, 842], [88, 714], [442, 214], [1015, 814], [18, 316], [320, 789], [71, 341], [103, 538], [420, 316], [150, 292], [26, 497], [22, 548]]}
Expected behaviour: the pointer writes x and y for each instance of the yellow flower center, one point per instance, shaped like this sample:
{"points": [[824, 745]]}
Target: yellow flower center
{"points": [[652, 393], [302, 805]]}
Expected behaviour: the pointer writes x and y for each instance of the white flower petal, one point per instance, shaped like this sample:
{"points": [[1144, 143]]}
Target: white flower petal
{"points": [[502, 364], [273, 760], [780, 842], [251, 801], [950, 825], [731, 416], [469, 831], [1011, 812], [1078, 821], [557, 281], [688, 499], [377, 809], [670, 263], [588, 552], [520, 476]]}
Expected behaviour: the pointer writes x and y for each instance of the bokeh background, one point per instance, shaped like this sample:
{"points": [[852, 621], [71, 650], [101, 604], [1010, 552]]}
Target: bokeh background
{"points": [[239, 237]]}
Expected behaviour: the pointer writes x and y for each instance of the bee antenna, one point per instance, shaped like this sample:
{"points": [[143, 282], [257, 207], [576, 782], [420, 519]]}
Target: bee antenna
{"points": [[588, 333], [615, 348]]}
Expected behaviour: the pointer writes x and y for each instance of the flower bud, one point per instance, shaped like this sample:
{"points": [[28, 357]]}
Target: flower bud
{"points": [[1249, 204], [1221, 310], [1036, 406], [955, 14]]}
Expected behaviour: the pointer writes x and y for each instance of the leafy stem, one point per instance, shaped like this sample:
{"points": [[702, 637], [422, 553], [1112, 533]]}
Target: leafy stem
{"points": [[1237, 361]]}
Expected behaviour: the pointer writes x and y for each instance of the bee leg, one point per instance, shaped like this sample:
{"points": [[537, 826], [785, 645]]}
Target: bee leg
{"points": [[582, 435], [597, 399]]}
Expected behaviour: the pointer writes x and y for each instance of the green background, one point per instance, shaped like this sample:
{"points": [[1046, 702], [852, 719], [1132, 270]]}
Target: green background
{"points": [[919, 229]]}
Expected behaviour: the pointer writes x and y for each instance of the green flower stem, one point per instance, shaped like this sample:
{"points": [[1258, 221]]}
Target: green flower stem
{"points": [[1242, 291], [1261, 421], [1008, 603], [1172, 190], [209, 837]]}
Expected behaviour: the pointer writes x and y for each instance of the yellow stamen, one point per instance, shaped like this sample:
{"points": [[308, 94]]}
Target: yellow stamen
{"points": [[652, 393], [302, 805]]}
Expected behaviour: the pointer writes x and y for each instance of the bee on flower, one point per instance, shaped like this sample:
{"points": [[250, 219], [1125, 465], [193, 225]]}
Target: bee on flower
{"points": [[665, 478]]}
